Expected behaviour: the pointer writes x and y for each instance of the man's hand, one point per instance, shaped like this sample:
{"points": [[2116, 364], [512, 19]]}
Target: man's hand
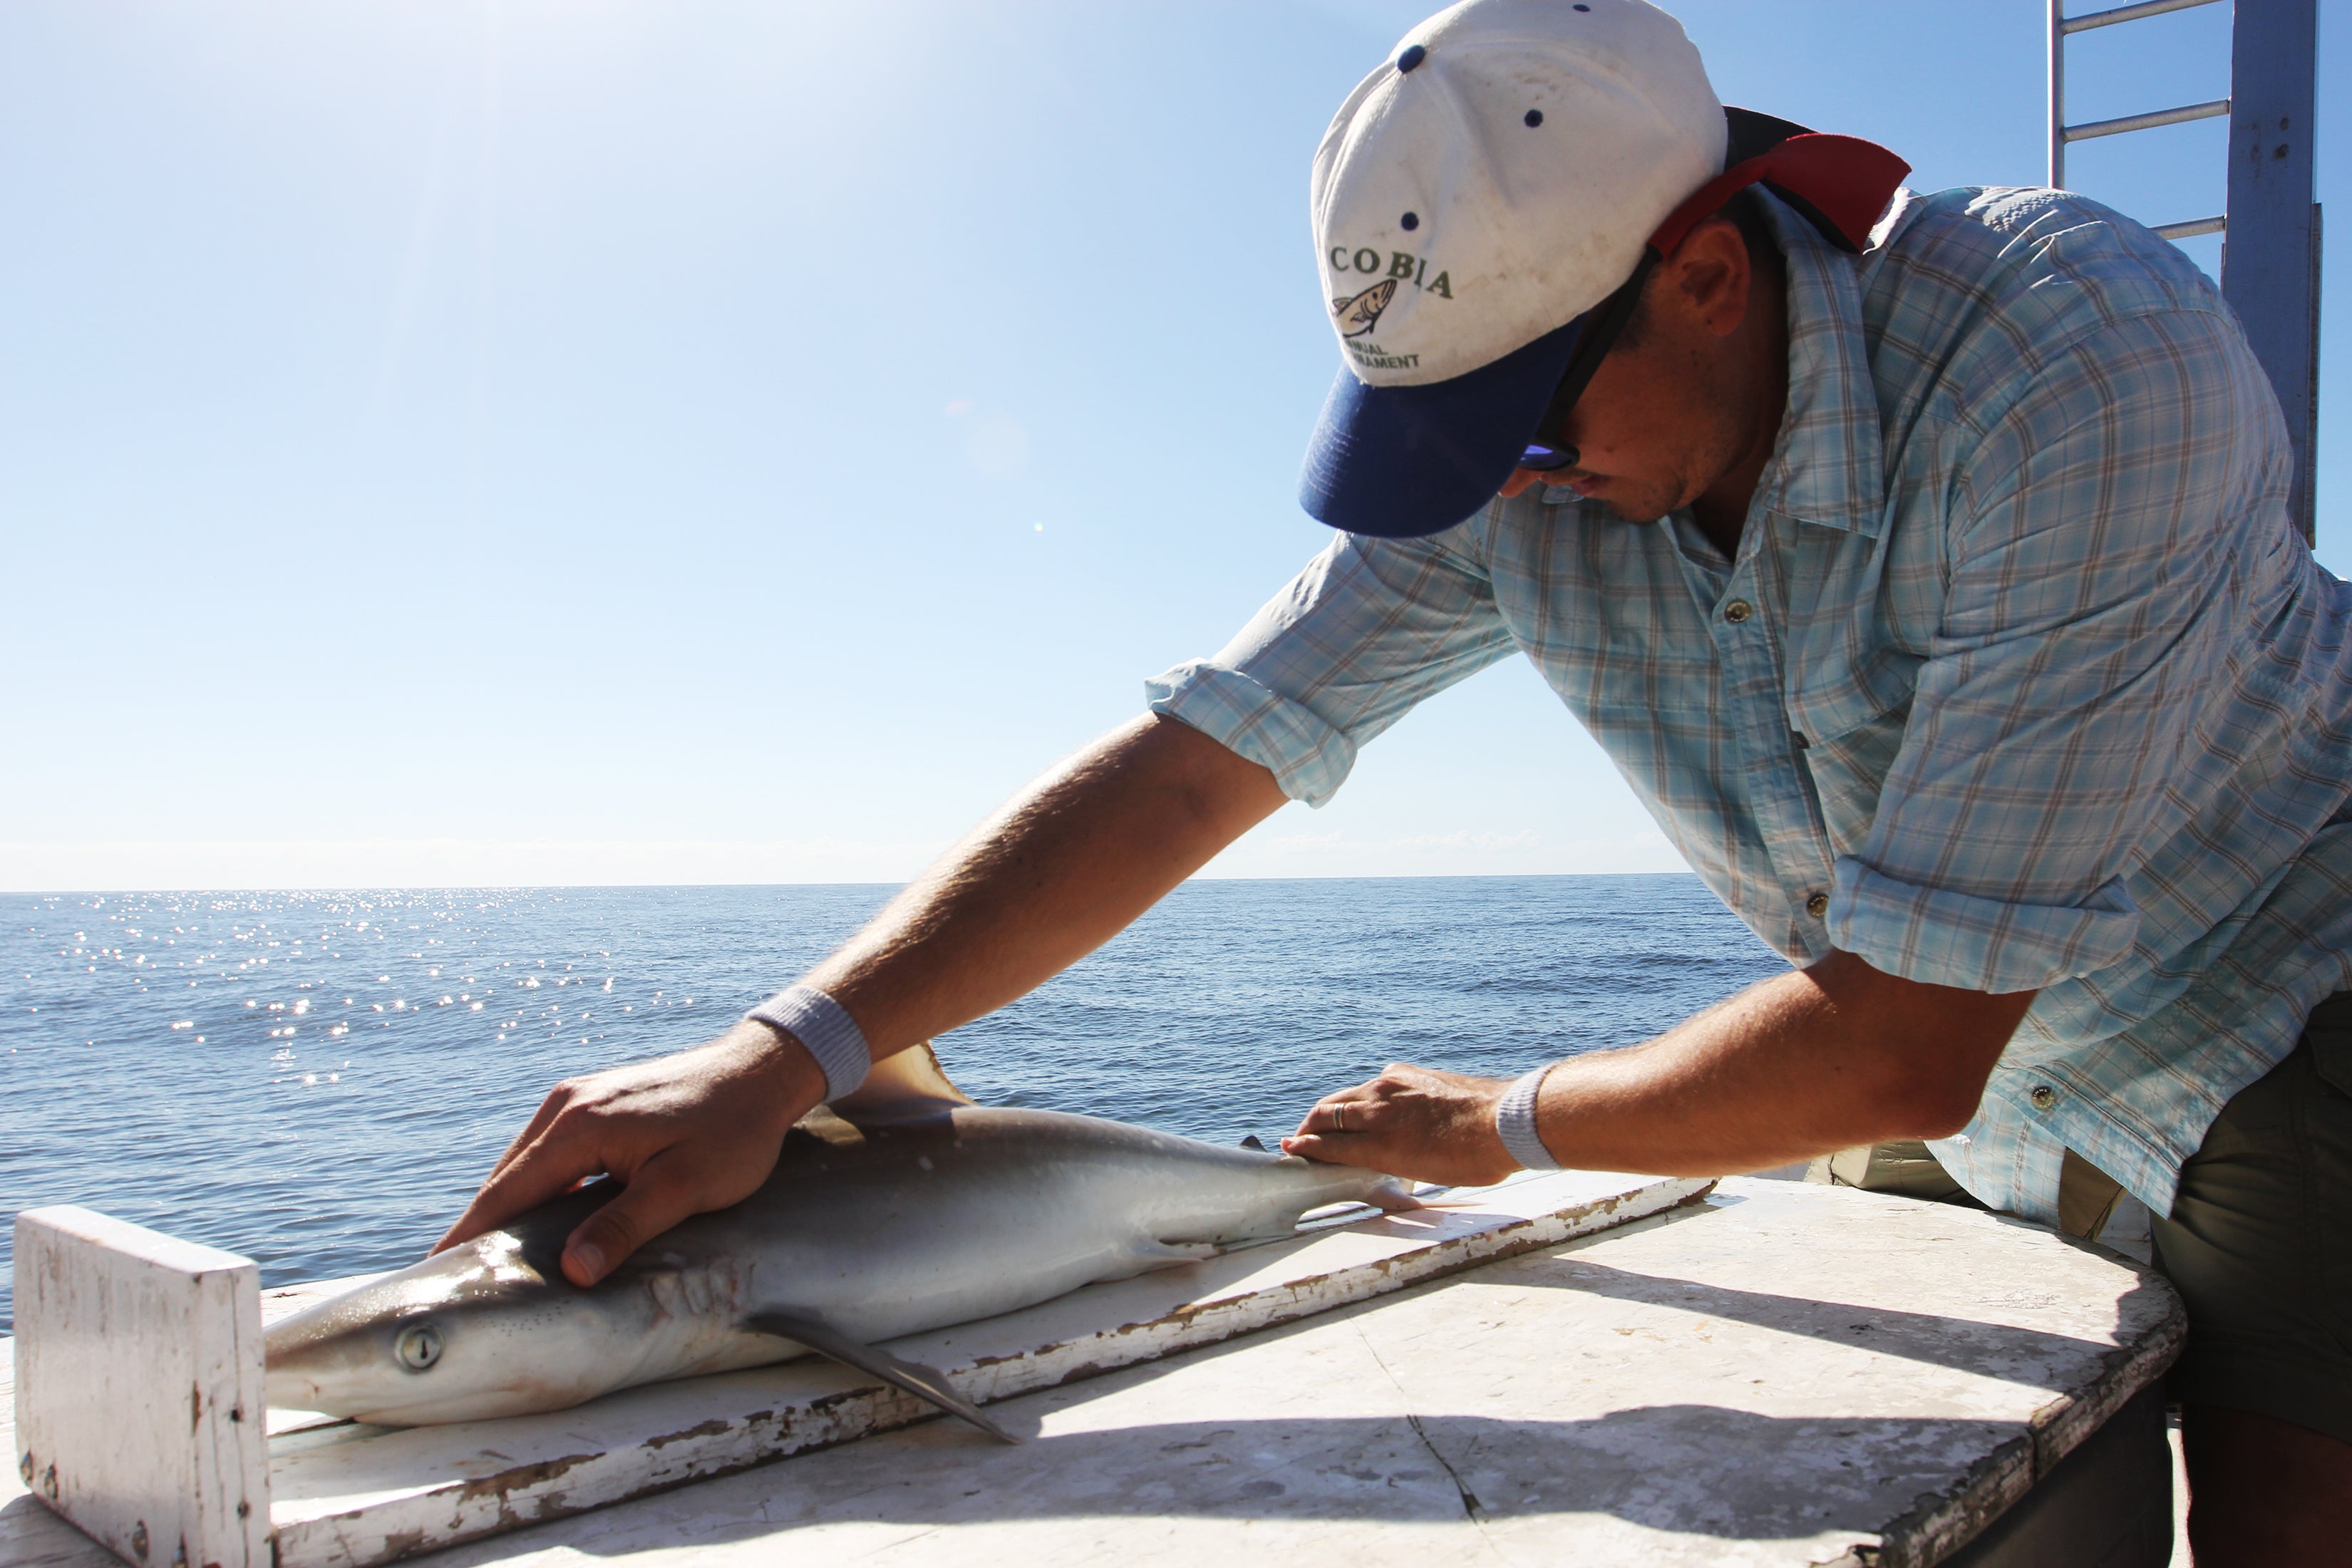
{"points": [[1411, 1122], [687, 1133], [1809, 1063]]}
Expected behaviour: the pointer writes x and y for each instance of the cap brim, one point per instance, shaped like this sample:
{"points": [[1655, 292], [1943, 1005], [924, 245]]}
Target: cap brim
{"points": [[1402, 461]]}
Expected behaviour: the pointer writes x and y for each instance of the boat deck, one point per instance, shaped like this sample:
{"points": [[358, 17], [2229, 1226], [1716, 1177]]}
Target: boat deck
{"points": [[1781, 1374]]}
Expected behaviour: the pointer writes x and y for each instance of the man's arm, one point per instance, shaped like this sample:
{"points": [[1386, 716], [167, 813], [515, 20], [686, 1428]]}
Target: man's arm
{"points": [[1063, 867], [1066, 866], [1836, 1055]]}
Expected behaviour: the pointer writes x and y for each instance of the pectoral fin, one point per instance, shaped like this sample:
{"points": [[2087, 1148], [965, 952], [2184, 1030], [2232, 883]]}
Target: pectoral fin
{"points": [[923, 1382]]}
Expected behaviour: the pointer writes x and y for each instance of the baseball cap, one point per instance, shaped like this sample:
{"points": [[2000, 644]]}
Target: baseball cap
{"points": [[1478, 203]]}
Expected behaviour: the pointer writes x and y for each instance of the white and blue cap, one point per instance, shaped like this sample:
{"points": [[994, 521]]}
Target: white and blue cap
{"points": [[1474, 199]]}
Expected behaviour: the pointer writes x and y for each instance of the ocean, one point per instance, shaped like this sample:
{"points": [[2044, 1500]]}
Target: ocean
{"points": [[320, 1080]]}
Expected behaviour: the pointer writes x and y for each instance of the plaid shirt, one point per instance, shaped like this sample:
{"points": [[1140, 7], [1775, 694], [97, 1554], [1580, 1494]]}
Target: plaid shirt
{"points": [[2020, 678]]}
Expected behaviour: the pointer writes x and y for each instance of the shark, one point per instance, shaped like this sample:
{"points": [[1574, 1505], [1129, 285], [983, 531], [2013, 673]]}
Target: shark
{"points": [[903, 1208]]}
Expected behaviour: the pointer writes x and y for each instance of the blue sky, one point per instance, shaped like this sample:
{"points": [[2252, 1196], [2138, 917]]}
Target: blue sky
{"points": [[700, 441]]}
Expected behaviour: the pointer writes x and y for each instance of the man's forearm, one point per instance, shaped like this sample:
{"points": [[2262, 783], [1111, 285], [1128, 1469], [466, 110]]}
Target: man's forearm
{"points": [[1837, 1055], [1066, 866]]}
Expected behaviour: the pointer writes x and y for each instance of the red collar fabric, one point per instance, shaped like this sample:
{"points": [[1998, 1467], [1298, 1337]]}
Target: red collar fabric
{"points": [[1842, 185]]}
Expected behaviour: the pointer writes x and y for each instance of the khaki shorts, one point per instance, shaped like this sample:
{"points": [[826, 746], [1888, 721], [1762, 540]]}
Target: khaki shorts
{"points": [[2259, 1243]]}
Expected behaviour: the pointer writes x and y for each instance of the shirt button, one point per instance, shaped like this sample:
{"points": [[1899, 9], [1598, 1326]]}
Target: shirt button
{"points": [[2043, 1097], [1737, 611], [1818, 905]]}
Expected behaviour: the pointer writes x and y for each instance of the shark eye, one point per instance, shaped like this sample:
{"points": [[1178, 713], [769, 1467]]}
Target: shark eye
{"points": [[418, 1347]]}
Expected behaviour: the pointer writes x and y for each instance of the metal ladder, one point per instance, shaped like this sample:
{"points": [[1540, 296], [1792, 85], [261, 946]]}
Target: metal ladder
{"points": [[2270, 257]]}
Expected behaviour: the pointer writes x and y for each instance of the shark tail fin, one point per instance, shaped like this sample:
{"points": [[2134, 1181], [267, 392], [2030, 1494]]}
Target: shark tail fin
{"points": [[923, 1382]]}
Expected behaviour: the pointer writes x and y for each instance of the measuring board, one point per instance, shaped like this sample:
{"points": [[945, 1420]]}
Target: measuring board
{"points": [[159, 1481]]}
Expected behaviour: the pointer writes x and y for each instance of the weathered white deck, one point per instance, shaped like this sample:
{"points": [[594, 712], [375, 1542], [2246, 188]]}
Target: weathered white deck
{"points": [[1781, 1375]]}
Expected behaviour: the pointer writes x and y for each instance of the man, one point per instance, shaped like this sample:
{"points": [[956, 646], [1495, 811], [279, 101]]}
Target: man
{"points": [[1923, 560]]}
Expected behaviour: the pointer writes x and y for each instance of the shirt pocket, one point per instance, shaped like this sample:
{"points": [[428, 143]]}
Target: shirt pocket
{"points": [[1848, 721]]}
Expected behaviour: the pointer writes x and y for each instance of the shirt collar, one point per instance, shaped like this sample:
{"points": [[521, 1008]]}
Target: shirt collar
{"points": [[1829, 467]]}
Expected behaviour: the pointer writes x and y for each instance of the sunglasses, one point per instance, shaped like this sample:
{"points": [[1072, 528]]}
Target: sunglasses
{"points": [[1548, 448]]}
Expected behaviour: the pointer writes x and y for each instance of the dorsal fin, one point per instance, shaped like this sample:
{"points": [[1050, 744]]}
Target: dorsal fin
{"points": [[901, 1088]]}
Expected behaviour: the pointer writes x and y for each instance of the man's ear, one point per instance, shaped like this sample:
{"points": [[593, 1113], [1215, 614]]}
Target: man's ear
{"points": [[1709, 278]]}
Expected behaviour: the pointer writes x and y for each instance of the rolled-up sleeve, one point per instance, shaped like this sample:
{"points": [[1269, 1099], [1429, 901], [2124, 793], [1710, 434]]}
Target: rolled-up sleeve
{"points": [[2089, 625], [1369, 628]]}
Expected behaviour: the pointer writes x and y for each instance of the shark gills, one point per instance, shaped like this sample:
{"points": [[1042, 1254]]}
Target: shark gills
{"points": [[906, 1208]]}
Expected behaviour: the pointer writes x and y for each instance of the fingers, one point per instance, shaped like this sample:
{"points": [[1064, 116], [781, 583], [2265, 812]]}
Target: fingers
{"points": [[1345, 1128], [546, 1168], [1339, 1149], [1409, 1121], [557, 1100], [1357, 1109], [654, 1200]]}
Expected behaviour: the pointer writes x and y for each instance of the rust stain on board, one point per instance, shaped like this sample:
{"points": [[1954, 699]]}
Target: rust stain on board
{"points": [[522, 1477], [717, 1427]]}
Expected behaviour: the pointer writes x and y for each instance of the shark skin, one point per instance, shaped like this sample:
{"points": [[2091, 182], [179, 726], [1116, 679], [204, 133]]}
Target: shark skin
{"points": [[904, 1210]]}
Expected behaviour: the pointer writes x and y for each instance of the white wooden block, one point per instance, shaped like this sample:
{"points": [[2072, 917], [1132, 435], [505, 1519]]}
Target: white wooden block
{"points": [[139, 1389]]}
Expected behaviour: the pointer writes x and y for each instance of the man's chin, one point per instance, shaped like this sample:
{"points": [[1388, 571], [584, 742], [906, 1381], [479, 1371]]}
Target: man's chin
{"points": [[1633, 511], [1612, 495]]}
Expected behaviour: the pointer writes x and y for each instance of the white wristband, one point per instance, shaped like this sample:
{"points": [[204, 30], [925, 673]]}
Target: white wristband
{"points": [[825, 1027], [1515, 1119]]}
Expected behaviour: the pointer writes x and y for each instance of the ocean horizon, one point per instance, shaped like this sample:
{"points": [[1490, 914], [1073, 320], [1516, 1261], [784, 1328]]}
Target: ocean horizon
{"points": [[319, 1079]]}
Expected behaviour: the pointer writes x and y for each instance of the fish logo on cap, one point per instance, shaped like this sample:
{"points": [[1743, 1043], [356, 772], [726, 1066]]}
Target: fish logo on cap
{"points": [[1358, 313]]}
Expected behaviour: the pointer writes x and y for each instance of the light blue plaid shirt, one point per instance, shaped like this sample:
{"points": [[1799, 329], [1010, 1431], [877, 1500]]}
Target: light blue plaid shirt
{"points": [[2021, 664]]}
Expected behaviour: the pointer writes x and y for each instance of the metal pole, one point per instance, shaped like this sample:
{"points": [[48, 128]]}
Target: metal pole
{"points": [[2269, 263], [2058, 94], [2085, 22], [2149, 121]]}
